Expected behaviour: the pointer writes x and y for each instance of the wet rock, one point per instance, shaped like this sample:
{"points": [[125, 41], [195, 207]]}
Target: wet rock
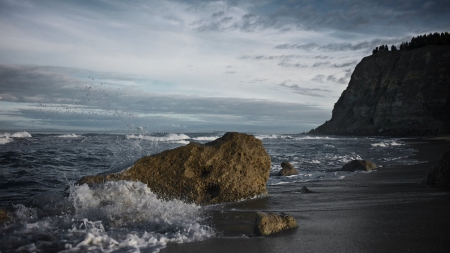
{"points": [[439, 175], [3, 216], [287, 170], [304, 189], [359, 165], [271, 223], [233, 167]]}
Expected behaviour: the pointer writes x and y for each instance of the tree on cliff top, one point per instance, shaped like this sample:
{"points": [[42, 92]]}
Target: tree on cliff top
{"points": [[419, 41]]}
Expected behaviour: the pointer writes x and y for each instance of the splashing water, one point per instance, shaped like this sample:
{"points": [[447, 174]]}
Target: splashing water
{"points": [[111, 217]]}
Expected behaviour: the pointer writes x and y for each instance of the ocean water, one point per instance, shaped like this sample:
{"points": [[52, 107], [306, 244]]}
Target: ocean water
{"points": [[48, 213]]}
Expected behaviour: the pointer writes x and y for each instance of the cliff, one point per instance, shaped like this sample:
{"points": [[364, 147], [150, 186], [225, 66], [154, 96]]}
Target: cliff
{"points": [[395, 93]]}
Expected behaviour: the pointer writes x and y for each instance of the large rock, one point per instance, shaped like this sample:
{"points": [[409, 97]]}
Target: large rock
{"points": [[403, 92], [271, 223], [233, 167], [359, 165], [439, 175], [287, 170]]}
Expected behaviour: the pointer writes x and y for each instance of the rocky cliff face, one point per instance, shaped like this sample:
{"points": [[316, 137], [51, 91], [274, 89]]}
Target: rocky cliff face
{"points": [[396, 93]]}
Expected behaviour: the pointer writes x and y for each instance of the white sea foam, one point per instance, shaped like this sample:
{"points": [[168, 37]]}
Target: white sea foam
{"points": [[206, 138], [262, 137], [68, 136], [385, 144], [115, 216], [171, 138], [305, 177], [133, 206], [16, 135], [8, 137], [4, 140], [21, 135], [307, 137]]}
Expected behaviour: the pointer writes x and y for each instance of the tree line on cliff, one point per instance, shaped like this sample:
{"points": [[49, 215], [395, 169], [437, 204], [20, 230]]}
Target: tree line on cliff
{"points": [[419, 41]]}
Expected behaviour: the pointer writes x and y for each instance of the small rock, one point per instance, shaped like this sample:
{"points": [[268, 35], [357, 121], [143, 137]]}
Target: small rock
{"points": [[359, 165], [3, 216], [439, 175], [305, 190], [271, 223], [287, 170]]}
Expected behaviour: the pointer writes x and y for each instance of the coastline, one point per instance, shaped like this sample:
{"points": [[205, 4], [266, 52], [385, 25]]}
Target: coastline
{"points": [[388, 210]]}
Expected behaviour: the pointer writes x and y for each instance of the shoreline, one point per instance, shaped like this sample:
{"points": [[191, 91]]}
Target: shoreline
{"points": [[388, 210]]}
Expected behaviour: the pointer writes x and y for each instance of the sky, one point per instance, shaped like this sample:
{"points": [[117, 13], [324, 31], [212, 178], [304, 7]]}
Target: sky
{"points": [[191, 66]]}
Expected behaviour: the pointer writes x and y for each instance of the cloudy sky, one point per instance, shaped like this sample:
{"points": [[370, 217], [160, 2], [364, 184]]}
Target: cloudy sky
{"points": [[191, 66]]}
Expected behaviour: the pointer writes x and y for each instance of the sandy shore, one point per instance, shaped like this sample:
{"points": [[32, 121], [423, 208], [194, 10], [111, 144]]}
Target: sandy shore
{"points": [[388, 210]]}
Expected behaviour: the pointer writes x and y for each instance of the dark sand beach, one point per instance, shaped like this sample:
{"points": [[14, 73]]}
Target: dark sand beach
{"points": [[387, 210]]}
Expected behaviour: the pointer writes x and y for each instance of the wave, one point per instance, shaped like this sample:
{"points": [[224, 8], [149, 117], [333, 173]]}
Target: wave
{"points": [[173, 138], [385, 144], [271, 136], [16, 135], [8, 137], [68, 136], [314, 138], [114, 216], [206, 138], [4, 140]]}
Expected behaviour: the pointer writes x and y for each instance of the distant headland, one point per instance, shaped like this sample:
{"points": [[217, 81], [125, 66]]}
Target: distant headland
{"points": [[403, 91]]}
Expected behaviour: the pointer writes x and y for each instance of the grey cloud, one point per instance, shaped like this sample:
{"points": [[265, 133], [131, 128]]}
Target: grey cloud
{"points": [[345, 64], [367, 17], [288, 64], [342, 80], [226, 19], [284, 57], [321, 64], [97, 105], [336, 47], [218, 14], [31, 84], [257, 80], [307, 47], [318, 78], [314, 92]]}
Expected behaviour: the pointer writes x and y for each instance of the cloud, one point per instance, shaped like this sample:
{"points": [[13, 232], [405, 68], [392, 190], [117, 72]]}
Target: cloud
{"points": [[288, 64], [50, 97], [307, 47], [33, 84], [314, 92], [218, 14], [344, 64], [321, 64], [380, 17], [342, 80], [343, 46], [318, 78]]}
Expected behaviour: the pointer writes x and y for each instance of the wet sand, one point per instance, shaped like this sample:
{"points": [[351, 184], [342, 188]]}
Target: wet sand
{"points": [[387, 210]]}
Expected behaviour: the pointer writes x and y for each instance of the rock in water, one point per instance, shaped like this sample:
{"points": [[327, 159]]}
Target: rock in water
{"points": [[287, 170], [3, 216], [233, 167], [439, 175], [304, 189], [271, 223], [359, 165]]}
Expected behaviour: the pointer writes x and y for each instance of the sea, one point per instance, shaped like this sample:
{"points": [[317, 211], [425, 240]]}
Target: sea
{"points": [[48, 212]]}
